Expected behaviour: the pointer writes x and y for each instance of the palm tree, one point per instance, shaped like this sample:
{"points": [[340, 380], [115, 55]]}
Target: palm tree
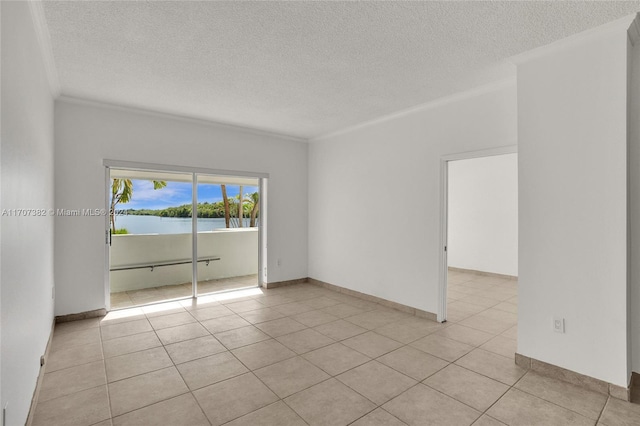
{"points": [[122, 192], [254, 203], [225, 199], [240, 209]]}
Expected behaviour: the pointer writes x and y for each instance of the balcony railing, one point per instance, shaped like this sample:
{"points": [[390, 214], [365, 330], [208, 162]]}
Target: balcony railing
{"points": [[135, 259]]}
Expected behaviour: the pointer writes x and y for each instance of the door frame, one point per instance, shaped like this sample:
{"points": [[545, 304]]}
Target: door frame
{"points": [[444, 215], [195, 172]]}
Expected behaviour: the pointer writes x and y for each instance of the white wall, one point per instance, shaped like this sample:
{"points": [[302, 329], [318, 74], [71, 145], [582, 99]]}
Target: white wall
{"points": [[483, 214], [27, 182], [87, 133], [374, 214], [237, 249], [634, 199], [572, 133]]}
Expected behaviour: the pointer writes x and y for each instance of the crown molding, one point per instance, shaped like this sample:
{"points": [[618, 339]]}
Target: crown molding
{"points": [[620, 25], [634, 31], [173, 116], [44, 40], [456, 97]]}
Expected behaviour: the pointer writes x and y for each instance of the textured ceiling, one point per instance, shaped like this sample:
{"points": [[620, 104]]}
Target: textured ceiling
{"points": [[299, 68]]}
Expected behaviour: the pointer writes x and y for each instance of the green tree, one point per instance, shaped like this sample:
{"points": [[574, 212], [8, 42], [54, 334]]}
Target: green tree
{"points": [[253, 201], [240, 209], [122, 193]]}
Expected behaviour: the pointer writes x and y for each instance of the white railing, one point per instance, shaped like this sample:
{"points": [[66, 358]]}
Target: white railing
{"points": [[133, 258]]}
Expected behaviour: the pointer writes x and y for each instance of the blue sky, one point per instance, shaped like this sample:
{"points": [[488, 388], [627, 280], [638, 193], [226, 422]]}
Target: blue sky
{"points": [[176, 194]]}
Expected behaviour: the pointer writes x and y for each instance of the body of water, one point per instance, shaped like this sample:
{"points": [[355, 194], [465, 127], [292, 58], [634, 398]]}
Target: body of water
{"points": [[167, 225]]}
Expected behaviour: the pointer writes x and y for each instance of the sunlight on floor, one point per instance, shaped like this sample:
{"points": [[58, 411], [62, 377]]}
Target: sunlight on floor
{"points": [[126, 299]]}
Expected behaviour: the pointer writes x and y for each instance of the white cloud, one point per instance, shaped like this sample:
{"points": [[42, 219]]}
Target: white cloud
{"points": [[144, 196]]}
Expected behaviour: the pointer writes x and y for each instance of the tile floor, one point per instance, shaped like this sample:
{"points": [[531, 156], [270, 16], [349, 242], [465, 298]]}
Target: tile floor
{"points": [[305, 355], [126, 299]]}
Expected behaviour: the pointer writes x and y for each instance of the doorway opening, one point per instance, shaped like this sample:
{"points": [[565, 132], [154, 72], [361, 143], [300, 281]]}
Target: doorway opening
{"points": [[479, 237], [173, 234]]}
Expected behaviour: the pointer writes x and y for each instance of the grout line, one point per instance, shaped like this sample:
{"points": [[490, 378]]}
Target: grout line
{"points": [[74, 393], [106, 379], [145, 372], [509, 387], [260, 380], [603, 408], [292, 409], [302, 357], [418, 380], [457, 400], [528, 393], [153, 403], [138, 350], [78, 364], [556, 404], [199, 406], [103, 360], [300, 300], [175, 366]]}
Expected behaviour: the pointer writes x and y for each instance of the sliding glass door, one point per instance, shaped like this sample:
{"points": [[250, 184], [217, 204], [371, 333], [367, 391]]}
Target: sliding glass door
{"points": [[174, 235], [151, 238], [228, 219]]}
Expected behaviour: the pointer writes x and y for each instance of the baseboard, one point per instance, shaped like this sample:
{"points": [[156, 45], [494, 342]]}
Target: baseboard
{"points": [[82, 315], [523, 361], [374, 299], [36, 391], [577, 379], [482, 273], [384, 302], [635, 387], [277, 284]]}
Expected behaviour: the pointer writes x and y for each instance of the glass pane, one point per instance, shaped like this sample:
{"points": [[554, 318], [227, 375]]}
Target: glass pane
{"points": [[228, 216], [151, 242]]}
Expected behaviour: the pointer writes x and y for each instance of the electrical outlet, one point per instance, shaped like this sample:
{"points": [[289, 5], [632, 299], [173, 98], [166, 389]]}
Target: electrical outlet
{"points": [[558, 324]]}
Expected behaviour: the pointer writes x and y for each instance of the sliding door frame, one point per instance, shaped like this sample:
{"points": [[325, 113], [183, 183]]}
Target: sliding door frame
{"points": [[195, 173]]}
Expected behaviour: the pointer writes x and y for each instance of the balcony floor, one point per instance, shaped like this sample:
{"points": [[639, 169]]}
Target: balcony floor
{"points": [[127, 299]]}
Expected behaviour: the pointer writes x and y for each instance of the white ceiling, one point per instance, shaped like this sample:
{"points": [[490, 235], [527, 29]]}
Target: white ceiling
{"points": [[302, 69]]}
